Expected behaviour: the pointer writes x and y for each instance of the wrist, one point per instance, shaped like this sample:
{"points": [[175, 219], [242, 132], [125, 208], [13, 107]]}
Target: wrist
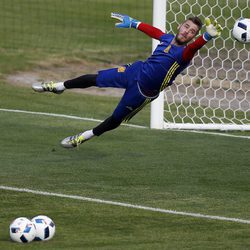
{"points": [[206, 36], [135, 24]]}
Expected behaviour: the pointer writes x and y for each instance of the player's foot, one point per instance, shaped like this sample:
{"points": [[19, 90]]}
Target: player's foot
{"points": [[73, 141], [55, 87]]}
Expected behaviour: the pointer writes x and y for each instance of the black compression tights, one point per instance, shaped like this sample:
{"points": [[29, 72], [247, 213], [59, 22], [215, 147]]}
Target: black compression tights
{"points": [[86, 81], [82, 82], [107, 125]]}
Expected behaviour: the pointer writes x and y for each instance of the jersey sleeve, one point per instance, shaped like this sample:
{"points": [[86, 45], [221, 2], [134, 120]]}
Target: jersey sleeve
{"points": [[192, 48], [150, 30]]}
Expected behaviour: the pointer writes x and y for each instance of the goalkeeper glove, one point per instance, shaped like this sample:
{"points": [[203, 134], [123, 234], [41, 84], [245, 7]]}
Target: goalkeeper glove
{"points": [[126, 21], [212, 29]]}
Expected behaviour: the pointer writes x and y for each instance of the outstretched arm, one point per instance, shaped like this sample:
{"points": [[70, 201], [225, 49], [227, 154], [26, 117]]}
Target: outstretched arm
{"points": [[150, 30], [213, 30], [129, 22]]}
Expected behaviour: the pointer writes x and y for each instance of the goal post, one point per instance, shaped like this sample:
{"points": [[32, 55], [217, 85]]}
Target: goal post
{"points": [[157, 106], [214, 91]]}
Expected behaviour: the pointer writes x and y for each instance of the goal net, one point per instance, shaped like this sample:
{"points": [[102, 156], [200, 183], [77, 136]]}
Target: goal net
{"points": [[214, 91]]}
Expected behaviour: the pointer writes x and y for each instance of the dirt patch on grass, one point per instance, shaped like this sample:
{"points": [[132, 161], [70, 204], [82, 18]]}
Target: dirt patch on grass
{"points": [[61, 70], [229, 95]]}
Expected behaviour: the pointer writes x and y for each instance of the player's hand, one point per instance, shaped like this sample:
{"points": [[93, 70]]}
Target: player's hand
{"points": [[126, 21], [212, 29]]}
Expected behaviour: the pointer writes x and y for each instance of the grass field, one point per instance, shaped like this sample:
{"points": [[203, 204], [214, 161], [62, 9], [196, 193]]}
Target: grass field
{"points": [[174, 190], [196, 173]]}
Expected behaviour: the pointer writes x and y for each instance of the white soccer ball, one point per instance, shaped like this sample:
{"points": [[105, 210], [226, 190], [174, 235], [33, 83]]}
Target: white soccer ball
{"points": [[45, 227], [22, 230], [241, 30]]}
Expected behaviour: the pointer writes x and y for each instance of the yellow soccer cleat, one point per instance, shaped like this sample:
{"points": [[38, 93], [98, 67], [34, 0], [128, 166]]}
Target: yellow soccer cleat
{"points": [[73, 141], [54, 87]]}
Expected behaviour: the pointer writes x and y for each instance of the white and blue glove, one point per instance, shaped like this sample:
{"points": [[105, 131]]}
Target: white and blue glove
{"points": [[212, 29], [126, 21]]}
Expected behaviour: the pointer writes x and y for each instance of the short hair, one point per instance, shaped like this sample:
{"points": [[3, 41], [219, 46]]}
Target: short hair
{"points": [[196, 20]]}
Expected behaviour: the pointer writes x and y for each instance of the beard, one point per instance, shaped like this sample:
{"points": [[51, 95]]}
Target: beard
{"points": [[179, 42]]}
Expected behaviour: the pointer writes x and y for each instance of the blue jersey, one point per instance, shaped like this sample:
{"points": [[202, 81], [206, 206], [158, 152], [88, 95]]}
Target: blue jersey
{"points": [[143, 81], [162, 67]]}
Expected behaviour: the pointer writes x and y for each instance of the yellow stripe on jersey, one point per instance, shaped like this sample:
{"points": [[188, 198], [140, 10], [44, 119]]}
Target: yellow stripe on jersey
{"points": [[130, 115], [169, 75]]}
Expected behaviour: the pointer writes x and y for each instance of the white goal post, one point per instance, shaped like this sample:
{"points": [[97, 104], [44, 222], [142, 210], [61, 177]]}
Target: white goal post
{"points": [[214, 91]]}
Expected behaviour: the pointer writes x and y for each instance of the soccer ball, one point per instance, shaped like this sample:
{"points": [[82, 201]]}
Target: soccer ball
{"points": [[22, 230], [45, 227], [241, 30]]}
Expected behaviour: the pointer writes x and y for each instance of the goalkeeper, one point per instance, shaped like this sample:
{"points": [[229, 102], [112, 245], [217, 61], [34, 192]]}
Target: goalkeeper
{"points": [[142, 80]]}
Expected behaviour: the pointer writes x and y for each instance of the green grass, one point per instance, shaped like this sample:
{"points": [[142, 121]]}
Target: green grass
{"points": [[84, 27], [64, 27], [197, 173], [171, 170], [95, 226], [69, 103]]}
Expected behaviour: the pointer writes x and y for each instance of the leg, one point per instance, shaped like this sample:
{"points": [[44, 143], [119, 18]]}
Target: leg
{"points": [[105, 78], [75, 140], [107, 125], [131, 103], [83, 81]]}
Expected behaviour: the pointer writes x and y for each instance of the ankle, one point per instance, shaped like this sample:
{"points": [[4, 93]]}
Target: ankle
{"points": [[60, 86], [88, 134]]}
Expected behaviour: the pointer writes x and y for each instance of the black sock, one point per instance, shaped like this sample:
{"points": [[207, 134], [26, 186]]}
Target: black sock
{"points": [[109, 124], [83, 81]]}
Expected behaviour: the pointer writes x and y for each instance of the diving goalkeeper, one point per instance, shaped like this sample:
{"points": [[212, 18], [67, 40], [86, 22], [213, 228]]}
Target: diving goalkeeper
{"points": [[142, 80]]}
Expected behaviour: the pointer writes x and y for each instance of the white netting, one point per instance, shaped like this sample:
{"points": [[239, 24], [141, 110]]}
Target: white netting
{"points": [[215, 89]]}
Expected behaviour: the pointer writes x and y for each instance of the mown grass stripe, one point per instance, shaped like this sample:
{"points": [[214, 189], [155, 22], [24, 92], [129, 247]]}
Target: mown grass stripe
{"points": [[128, 205], [124, 124], [64, 116]]}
